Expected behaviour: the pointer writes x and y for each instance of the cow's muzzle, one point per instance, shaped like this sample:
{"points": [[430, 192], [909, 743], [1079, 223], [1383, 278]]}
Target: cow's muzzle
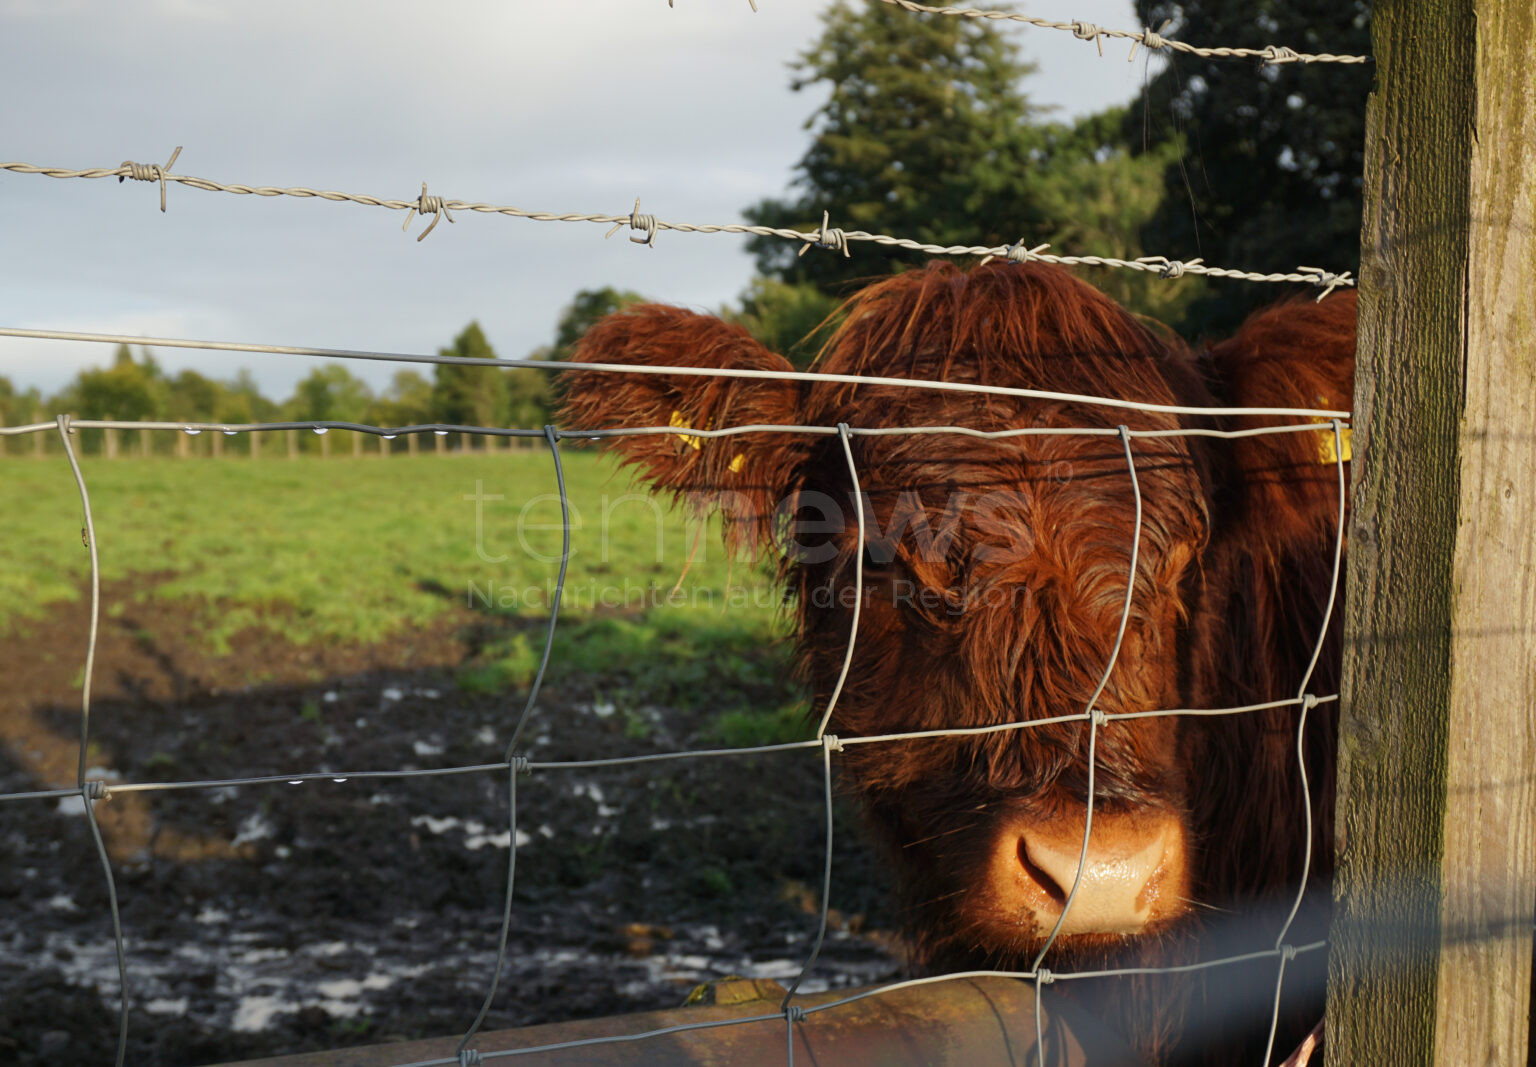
{"points": [[1133, 873]]}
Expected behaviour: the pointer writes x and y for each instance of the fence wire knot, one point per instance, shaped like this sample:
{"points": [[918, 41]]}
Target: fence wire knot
{"points": [[794, 1013], [1309, 701], [96, 789], [1327, 279], [1087, 31], [1097, 716], [470, 1057], [148, 172], [520, 765], [1287, 953], [1170, 268], [831, 742], [828, 237], [645, 223], [1043, 976], [1017, 253], [1279, 53], [427, 205], [1152, 39]]}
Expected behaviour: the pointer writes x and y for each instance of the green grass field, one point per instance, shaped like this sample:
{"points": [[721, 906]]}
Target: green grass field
{"points": [[359, 549]]}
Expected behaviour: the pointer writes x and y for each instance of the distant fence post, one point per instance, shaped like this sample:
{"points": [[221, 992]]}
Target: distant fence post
{"points": [[410, 444], [255, 436], [293, 443], [325, 445], [1430, 951], [109, 440], [442, 442], [357, 445], [38, 439], [216, 443]]}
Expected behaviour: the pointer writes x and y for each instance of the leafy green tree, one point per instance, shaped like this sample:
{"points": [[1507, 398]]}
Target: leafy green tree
{"points": [[126, 390], [242, 401], [1097, 193], [329, 393], [190, 395], [792, 319], [466, 394], [1270, 175], [17, 406], [407, 401], [925, 133]]}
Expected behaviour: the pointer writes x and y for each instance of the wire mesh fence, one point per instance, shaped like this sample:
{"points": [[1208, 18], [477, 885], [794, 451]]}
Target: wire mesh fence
{"points": [[515, 765]]}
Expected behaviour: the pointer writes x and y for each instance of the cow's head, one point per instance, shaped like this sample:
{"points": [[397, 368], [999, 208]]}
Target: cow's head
{"points": [[994, 572]]}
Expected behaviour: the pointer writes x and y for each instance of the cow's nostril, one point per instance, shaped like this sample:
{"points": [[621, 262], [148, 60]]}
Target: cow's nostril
{"points": [[1037, 874]]}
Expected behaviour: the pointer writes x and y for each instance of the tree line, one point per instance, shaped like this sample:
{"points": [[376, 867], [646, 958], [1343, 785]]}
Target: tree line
{"points": [[927, 131]]}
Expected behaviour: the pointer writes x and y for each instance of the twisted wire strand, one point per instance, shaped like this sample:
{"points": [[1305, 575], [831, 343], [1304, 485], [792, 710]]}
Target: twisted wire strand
{"points": [[826, 237], [1270, 55]]}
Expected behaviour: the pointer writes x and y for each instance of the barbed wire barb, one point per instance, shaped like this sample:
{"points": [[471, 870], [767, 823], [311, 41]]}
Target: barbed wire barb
{"points": [[148, 172], [646, 224], [427, 205]]}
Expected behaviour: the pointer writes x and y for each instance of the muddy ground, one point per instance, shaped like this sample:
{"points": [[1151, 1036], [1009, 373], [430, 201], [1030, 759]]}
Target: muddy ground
{"points": [[277, 918]]}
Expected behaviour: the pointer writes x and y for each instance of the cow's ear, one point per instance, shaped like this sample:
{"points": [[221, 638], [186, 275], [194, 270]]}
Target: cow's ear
{"points": [[744, 476], [1299, 354]]}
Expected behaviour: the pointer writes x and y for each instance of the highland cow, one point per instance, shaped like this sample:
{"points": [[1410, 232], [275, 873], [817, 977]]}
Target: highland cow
{"points": [[994, 577]]}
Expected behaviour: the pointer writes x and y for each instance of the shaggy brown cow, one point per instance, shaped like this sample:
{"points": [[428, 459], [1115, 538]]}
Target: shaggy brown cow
{"points": [[994, 575]]}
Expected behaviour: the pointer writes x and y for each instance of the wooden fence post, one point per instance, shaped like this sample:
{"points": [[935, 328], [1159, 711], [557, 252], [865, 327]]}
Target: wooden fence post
{"points": [[410, 444], [293, 443], [357, 445], [255, 436], [1430, 951], [325, 445], [442, 442], [216, 443], [39, 442]]}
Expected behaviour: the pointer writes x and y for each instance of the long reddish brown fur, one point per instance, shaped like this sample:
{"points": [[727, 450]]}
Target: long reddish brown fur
{"points": [[1024, 545]]}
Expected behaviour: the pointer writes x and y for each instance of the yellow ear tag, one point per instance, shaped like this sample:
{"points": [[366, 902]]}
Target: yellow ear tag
{"points": [[1327, 451], [696, 443], [677, 421]]}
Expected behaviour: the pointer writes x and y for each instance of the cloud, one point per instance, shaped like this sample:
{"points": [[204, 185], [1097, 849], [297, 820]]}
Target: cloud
{"points": [[548, 106]]}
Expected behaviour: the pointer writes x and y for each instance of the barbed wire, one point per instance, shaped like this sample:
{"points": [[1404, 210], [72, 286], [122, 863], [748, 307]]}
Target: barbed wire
{"points": [[647, 226], [93, 790], [1270, 55]]}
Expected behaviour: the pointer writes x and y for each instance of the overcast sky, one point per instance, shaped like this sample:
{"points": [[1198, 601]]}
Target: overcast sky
{"points": [[559, 106]]}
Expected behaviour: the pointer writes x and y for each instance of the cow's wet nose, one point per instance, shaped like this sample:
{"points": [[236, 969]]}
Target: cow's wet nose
{"points": [[1133, 872]]}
